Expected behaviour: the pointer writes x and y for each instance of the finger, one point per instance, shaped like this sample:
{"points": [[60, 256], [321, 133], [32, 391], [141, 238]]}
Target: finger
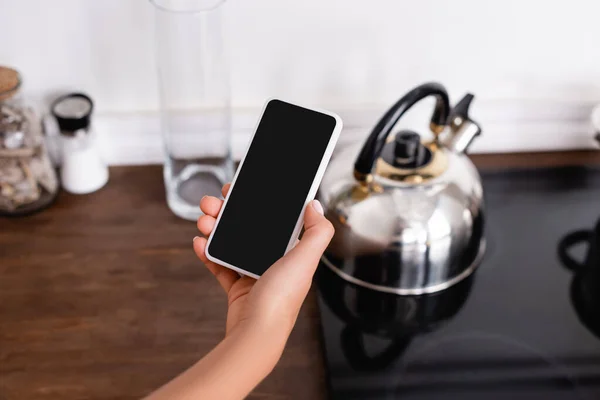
{"points": [[318, 232], [225, 189], [211, 205], [206, 224], [225, 276]]}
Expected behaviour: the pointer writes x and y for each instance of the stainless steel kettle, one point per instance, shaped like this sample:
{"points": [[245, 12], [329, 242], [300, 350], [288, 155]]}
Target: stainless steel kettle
{"points": [[409, 218]]}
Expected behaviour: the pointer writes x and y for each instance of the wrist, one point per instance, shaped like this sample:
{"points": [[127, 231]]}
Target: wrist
{"points": [[259, 343]]}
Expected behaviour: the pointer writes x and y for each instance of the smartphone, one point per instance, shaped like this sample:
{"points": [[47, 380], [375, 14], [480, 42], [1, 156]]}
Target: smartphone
{"points": [[263, 213]]}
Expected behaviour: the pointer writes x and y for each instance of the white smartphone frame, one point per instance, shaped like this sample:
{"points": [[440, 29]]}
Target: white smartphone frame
{"points": [[311, 193]]}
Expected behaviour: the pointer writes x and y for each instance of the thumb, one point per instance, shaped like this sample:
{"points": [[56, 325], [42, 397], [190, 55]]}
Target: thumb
{"points": [[318, 232], [284, 286]]}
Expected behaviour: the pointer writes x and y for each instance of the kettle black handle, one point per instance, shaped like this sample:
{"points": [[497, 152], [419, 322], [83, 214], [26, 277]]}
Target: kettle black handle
{"points": [[376, 140]]}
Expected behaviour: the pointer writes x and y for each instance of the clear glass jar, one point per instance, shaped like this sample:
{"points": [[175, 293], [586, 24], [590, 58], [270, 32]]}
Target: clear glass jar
{"points": [[194, 100], [28, 181]]}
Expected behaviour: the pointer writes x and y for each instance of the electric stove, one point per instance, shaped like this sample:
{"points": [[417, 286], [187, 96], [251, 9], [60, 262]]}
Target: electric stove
{"points": [[518, 328]]}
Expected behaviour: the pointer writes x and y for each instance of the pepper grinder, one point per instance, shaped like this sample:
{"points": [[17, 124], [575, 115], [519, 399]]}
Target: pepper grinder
{"points": [[82, 171]]}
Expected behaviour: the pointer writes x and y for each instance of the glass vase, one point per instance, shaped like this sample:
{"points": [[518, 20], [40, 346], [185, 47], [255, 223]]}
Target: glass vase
{"points": [[194, 102]]}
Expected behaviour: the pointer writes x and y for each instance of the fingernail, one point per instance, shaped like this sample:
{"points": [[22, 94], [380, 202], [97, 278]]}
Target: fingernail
{"points": [[318, 207], [202, 198], [195, 237]]}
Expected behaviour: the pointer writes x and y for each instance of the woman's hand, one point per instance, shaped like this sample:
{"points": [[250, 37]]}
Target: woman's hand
{"points": [[260, 317], [270, 304]]}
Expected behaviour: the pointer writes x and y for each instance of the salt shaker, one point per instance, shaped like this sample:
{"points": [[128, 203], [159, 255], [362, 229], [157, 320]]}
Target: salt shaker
{"points": [[82, 171]]}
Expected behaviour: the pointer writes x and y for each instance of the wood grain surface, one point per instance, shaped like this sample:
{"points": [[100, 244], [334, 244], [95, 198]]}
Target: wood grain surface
{"points": [[102, 297]]}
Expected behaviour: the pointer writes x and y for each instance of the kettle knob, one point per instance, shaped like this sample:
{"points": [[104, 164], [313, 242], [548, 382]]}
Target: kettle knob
{"points": [[406, 151], [407, 146]]}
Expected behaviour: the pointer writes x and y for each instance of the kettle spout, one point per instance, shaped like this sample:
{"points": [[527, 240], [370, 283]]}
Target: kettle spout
{"points": [[462, 128]]}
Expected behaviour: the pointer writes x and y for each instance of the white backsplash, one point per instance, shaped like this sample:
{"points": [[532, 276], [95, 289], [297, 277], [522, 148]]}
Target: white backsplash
{"points": [[534, 65]]}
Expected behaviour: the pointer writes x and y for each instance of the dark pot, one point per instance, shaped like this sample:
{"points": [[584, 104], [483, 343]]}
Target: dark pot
{"points": [[585, 286]]}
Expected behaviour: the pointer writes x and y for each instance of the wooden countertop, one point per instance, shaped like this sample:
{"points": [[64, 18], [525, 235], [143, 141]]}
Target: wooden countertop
{"points": [[102, 297]]}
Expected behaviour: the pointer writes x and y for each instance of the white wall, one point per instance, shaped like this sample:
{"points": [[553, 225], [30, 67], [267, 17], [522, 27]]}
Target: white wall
{"points": [[534, 65]]}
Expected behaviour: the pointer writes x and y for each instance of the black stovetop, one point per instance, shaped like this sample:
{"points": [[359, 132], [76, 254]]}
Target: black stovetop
{"points": [[511, 332]]}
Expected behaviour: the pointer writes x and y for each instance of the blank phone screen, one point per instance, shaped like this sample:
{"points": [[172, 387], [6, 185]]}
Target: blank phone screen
{"points": [[271, 187]]}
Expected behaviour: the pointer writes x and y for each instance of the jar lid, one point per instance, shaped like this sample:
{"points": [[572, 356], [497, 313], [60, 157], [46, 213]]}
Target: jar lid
{"points": [[10, 81], [73, 112]]}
